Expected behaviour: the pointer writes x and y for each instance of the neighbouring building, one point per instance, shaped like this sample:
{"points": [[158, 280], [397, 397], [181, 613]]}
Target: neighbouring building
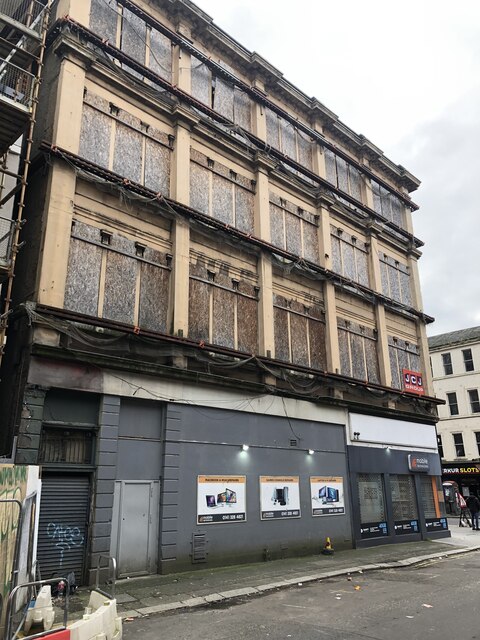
{"points": [[217, 348], [455, 359]]}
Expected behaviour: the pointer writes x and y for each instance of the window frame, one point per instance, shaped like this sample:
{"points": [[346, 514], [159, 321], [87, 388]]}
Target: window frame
{"points": [[474, 401], [468, 361], [453, 403], [440, 445], [459, 446], [447, 363], [477, 440]]}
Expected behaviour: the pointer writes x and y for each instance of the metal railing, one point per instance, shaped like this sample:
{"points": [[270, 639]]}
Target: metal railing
{"points": [[26, 12], [16, 84], [7, 227]]}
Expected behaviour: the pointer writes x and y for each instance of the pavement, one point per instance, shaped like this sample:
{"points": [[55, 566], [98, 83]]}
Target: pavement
{"points": [[157, 594]]}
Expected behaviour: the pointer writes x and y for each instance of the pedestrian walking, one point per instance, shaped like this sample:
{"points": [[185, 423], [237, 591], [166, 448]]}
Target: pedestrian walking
{"points": [[464, 520], [473, 504]]}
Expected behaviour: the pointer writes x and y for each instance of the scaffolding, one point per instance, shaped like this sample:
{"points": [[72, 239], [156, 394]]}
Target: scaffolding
{"points": [[23, 29]]}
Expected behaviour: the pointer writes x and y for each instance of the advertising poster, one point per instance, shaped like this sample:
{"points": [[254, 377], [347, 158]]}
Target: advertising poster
{"points": [[373, 529], [221, 499], [436, 524], [279, 497], [327, 495], [406, 526]]}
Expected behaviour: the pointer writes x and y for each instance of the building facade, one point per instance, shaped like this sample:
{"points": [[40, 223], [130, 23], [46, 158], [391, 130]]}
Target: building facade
{"points": [[455, 359], [218, 343]]}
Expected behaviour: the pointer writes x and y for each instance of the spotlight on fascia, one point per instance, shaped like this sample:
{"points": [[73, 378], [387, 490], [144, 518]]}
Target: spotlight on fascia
{"points": [[311, 452], [245, 447]]}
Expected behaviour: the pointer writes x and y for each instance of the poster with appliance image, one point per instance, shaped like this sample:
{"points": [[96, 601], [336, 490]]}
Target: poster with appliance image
{"points": [[221, 499], [328, 498], [279, 497]]}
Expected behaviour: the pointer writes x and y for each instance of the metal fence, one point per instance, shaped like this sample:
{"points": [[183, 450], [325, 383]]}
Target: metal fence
{"points": [[26, 12], [16, 84], [6, 239]]}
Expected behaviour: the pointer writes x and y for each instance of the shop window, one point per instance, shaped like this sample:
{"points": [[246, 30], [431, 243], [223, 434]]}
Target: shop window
{"points": [[440, 446], [371, 498], [459, 446], [431, 497], [452, 403], [447, 364], [66, 446], [403, 497], [474, 400], [468, 359]]}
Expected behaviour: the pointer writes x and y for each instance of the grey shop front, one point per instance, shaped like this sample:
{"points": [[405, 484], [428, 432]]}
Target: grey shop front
{"points": [[397, 496]]}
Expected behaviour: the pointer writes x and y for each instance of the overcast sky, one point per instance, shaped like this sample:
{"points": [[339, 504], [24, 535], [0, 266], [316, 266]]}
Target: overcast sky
{"points": [[406, 75]]}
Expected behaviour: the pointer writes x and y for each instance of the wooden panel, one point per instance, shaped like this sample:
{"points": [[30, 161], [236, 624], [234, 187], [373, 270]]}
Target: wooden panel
{"points": [[223, 318], [199, 310], [244, 210], [318, 359], [127, 157], [83, 278], [95, 136], [281, 334], [154, 283], [247, 324], [120, 286], [299, 329], [222, 199], [157, 167], [160, 55], [199, 188], [223, 101], [358, 358], [201, 82], [294, 241]]}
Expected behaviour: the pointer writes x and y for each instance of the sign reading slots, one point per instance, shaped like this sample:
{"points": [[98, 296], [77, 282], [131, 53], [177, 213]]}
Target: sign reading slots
{"points": [[413, 382]]}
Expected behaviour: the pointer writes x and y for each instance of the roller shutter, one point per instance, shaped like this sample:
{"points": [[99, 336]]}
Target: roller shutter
{"points": [[62, 536]]}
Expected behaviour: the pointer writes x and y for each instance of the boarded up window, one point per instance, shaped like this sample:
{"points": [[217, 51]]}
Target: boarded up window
{"points": [[222, 193], [349, 256], [223, 98], [222, 306], [388, 205], [120, 286], [157, 167], [127, 157], [343, 175], [83, 278], [395, 280], [222, 199], [125, 270], [358, 354], [95, 136], [299, 332], [403, 355], [242, 109], [154, 283], [141, 153], [287, 138], [293, 228], [134, 37], [160, 60], [103, 19], [201, 82], [199, 188]]}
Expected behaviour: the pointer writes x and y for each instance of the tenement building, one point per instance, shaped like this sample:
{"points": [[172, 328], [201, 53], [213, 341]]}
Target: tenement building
{"points": [[455, 359], [217, 348]]}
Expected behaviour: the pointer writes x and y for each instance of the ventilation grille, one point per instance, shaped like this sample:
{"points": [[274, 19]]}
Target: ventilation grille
{"points": [[199, 548], [293, 443]]}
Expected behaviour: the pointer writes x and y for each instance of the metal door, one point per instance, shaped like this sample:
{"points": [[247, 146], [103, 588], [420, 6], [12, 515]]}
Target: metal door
{"points": [[63, 525], [135, 527]]}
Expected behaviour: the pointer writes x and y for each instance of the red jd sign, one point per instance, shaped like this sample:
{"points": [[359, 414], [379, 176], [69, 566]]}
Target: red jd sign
{"points": [[413, 382]]}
